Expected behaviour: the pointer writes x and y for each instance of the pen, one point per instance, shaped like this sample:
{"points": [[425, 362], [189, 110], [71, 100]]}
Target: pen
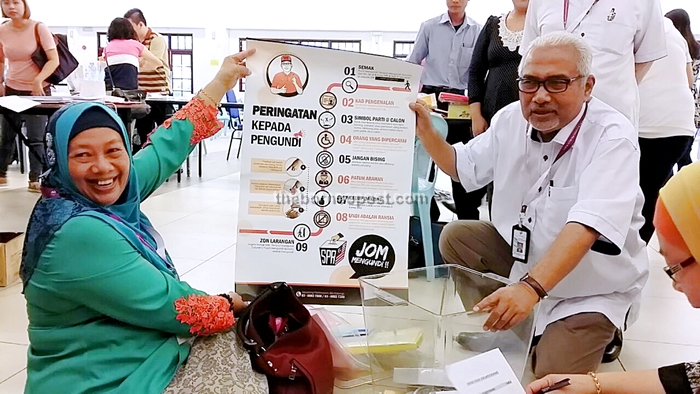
{"points": [[556, 386], [351, 333]]}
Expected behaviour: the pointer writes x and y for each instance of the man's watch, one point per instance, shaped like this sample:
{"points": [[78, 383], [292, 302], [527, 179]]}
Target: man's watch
{"points": [[536, 286]]}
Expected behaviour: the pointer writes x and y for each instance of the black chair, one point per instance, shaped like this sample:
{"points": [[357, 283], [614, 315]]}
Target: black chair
{"points": [[235, 124]]}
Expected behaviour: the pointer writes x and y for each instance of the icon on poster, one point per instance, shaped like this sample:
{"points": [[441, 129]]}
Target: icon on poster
{"points": [[371, 255], [294, 166], [325, 140], [333, 251], [302, 232], [322, 219], [287, 76], [349, 85], [293, 211], [326, 120], [324, 159], [294, 187], [324, 178], [328, 100], [322, 198]]}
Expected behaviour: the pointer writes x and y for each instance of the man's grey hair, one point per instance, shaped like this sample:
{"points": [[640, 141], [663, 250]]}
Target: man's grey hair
{"points": [[584, 57]]}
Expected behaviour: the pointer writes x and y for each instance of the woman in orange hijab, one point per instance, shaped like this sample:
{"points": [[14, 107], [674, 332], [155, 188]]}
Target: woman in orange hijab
{"points": [[677, 222]]}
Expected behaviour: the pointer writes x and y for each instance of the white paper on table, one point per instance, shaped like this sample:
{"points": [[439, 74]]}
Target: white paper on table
{"points": [[17, 104], [487, 373]]}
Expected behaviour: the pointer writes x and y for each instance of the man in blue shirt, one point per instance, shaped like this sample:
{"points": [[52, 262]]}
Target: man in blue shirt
{"points": [[446, 43]]}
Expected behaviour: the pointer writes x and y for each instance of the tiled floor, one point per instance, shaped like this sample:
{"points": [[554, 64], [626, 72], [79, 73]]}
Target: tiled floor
{"points": [[198, 218]]}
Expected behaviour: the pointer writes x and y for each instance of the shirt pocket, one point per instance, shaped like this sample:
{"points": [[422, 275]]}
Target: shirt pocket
{"points": [[558, 203], [611, 37], [465, 58]]}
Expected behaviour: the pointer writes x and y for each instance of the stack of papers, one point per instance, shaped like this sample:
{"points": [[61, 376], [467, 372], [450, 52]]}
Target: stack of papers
{"points": [[385, 341], [17, 104]]}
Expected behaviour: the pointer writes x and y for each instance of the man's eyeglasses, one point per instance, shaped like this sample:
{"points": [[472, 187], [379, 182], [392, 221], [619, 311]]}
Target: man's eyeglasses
{"points": [[673, 270], [553, 85]]}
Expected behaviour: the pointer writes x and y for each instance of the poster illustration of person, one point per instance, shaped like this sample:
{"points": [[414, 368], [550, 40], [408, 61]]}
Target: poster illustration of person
{"points": [[287, 83]]}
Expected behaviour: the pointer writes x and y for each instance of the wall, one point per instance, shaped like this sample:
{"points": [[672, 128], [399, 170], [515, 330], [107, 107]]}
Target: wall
{"points": [[217, 25], [364, 15]]}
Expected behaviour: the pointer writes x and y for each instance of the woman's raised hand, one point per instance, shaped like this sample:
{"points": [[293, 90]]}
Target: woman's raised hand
{"points": [[233, 69]]}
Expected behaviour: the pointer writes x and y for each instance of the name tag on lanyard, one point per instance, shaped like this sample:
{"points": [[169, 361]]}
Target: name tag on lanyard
{"points": [[577, 22], [520, 236]]}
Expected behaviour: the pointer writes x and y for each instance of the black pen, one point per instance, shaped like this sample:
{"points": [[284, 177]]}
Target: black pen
{"points": [[556, 386]]}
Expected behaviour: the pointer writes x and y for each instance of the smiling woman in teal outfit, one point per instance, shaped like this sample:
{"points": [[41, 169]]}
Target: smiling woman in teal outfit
{"points": [[107, 311]]}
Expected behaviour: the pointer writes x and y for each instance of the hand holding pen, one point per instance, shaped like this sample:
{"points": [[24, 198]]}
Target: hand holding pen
{"points": [[556, 386], [563, 384]]}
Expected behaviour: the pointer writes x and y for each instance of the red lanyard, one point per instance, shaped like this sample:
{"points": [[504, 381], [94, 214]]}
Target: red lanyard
{"points": [[566, 12], [572, 138]]}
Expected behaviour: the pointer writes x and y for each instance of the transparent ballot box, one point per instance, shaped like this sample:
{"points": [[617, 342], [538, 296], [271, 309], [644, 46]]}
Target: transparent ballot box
{"points": [[413, 333]]}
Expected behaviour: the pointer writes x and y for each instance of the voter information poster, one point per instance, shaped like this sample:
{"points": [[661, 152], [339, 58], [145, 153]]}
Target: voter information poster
{"points": [[326, 169]]}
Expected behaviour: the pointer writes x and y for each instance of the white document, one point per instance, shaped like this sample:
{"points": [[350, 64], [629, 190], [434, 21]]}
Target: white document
{"points": [[487, 373], [17, 104]]}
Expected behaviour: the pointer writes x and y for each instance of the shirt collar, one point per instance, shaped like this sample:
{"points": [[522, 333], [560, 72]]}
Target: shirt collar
{"points": [[565, 131], [445, 18]]}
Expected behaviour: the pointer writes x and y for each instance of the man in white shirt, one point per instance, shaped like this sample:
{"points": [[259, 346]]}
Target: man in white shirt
{"points": [[566, 208], [626, 36]]}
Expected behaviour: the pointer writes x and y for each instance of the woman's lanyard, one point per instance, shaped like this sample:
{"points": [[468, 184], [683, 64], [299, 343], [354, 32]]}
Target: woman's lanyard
{"points": [[579, 20], [537, 187]]}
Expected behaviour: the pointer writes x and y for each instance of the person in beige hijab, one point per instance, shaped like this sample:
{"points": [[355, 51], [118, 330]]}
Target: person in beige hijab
{"points": [[677, 222]]}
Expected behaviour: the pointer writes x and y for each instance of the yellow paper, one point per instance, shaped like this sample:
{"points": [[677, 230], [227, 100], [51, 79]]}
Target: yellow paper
{"points": [[459, 111]]}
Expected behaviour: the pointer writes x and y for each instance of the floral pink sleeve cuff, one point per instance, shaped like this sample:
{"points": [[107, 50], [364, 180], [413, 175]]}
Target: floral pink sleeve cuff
{"points": [[203, 117], [206, 314]]}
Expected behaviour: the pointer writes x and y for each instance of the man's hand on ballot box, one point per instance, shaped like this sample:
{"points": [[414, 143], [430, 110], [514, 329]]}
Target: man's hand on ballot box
{"points": [[508, 306]]}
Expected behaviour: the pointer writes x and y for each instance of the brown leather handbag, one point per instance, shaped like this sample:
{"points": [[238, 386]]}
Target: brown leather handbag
{"points": [[286, 344]]}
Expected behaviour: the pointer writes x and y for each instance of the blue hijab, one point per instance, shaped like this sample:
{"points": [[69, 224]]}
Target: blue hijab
{"points": [[62, 201]]}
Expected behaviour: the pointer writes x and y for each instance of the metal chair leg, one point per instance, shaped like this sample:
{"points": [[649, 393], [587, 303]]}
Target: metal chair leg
{"points": [[230, 144]]}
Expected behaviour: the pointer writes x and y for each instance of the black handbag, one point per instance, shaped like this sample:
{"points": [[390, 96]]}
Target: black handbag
{"points": [[67, 63], [137, 96], [134, 95]]}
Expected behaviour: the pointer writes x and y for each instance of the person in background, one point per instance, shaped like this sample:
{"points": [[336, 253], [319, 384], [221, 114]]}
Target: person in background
{"points": [[494, 68], [152, 80], [107, 310], [681, 20], [445, 45], [125, 55], [666, 126], [18, 41], [677, 221], [626, 37]]}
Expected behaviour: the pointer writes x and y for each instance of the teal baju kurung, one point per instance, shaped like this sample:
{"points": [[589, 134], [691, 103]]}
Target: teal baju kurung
{"points": [[101, 293]]}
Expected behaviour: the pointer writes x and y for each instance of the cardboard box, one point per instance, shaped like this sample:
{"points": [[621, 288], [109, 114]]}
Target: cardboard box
{"points": [[11, 245]]}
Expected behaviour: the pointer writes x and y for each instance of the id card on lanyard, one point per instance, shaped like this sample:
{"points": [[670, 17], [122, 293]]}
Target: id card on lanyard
{"points": [[577, 22], [520, 237]]}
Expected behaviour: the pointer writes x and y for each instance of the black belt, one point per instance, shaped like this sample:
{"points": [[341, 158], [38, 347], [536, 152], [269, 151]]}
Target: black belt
{"points": [[443, 89]]}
